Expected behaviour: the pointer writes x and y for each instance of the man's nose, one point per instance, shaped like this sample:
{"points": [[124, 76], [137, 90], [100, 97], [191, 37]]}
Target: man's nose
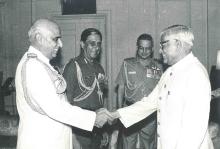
{"points": [[160, 51], [96, 48], [60, 43]]}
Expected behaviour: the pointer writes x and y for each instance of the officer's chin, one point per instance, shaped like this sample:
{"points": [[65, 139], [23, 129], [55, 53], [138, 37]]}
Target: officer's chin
{"points": [[94, 56]]}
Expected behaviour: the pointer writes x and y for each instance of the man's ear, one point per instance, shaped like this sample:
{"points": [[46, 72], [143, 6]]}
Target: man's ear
{"points": [[82, 44], [179, 44], [39, 38]]}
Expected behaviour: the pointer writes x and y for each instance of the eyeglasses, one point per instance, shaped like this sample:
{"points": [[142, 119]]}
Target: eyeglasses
{"points": [[94, 43], [164, 42]]}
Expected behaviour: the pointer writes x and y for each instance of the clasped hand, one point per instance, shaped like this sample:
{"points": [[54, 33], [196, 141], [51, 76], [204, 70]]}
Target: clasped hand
{"points": [[103, 116], [216, 93]]}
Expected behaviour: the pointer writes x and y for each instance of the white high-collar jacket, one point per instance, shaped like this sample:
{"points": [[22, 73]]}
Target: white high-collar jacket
{"points": [[182, 100], [50, 130]]}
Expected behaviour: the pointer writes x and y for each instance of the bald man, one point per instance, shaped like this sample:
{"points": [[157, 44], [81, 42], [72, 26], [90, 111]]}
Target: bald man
{"points": [[45, 115]]}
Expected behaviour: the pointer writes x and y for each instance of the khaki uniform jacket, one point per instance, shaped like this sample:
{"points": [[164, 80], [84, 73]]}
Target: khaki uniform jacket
{"points": [[48, 126], [139, 80], [182, 100]]}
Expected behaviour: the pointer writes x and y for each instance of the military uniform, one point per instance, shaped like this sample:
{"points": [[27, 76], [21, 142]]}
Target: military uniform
{"points": [[139, 81], [45, 114], [84, 90]]}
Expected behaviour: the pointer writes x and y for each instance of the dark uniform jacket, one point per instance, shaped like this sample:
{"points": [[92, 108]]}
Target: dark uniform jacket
{"points": [[139, 80], [86, 96]]}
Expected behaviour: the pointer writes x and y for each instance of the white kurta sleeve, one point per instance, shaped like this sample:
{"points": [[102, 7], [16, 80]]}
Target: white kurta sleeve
{"points": [[139, 110], [41, 88], [195, 113]]}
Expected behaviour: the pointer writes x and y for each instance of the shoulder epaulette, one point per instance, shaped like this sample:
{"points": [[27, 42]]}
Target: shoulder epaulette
{"points": [[31, 55], [70, 61], [130, 59]]}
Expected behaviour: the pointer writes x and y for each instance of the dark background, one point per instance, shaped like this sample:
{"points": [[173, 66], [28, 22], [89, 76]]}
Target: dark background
{"points": [[78, 7]]}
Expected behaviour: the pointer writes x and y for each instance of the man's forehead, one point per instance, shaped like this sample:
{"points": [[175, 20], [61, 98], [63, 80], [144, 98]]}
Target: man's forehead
{"points": [[94, 37], [50, 30], [145, 42], [168, 37]]}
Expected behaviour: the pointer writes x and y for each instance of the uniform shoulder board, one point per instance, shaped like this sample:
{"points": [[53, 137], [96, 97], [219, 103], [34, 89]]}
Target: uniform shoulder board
{"points": [[130, 60], [31, 55], [68, 63]]}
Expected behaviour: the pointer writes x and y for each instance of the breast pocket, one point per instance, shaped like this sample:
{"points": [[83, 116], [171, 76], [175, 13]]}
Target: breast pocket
{"points": [[132, 77], [174, 101]]}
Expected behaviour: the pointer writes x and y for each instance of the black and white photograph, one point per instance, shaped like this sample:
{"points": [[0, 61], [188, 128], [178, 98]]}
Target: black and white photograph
{"points": [[109, 74]]}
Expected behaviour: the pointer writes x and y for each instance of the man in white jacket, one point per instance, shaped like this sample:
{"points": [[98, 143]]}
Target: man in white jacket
{"points": [[181, 97], [45, 114]]}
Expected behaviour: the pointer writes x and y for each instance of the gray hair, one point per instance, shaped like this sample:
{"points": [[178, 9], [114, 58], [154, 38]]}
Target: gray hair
{"points": [[179, 32], [40, 26]]}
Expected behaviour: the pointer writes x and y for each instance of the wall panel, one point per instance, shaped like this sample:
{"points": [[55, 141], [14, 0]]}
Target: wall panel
{"points": [[127, 19]]}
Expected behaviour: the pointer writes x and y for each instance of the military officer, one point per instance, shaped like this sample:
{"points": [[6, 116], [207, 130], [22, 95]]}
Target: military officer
{"points": [[137, 78], [85, 85]]}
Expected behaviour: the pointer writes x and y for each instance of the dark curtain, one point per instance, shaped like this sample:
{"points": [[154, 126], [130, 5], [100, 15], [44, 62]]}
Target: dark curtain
{"points": [[215, 103]]}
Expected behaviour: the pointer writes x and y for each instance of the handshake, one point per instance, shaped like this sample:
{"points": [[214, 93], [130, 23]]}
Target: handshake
{"points": [[216, 93], [103, 116]]}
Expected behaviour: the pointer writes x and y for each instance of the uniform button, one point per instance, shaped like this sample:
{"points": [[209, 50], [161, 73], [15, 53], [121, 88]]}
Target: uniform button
{"points": [[158, 123], [158, 135], [158, 111], [160, 98], [171, 74], [168, 92], [165, 85]]}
